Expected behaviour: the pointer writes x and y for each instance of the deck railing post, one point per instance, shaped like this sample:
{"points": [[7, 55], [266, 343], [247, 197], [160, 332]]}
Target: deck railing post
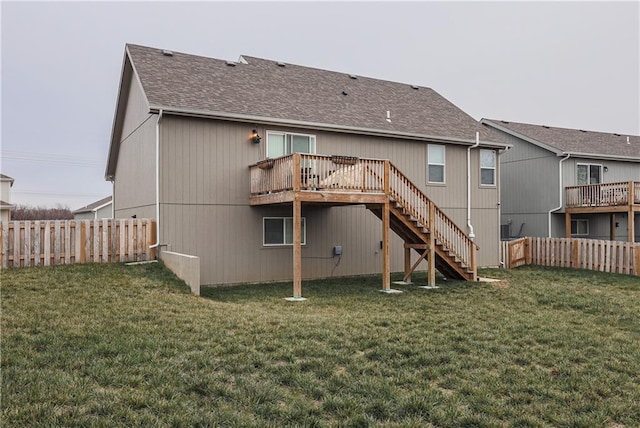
{"points": [[297, 172], [386, 178]]}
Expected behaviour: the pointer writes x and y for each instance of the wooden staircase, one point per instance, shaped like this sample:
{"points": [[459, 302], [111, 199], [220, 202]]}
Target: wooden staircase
{"points": [[380, 186], [422, 226]]}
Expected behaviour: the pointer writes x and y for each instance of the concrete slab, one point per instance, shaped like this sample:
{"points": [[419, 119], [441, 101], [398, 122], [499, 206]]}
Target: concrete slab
{"points": [[481, 279]]}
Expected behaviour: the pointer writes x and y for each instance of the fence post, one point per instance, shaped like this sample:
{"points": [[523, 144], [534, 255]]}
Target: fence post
{"points": [[5, 244], [152, 239]]}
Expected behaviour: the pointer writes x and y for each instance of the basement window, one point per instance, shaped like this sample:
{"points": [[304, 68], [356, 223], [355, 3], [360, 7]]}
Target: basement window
{"points": [[278, 231], [580, 227]]}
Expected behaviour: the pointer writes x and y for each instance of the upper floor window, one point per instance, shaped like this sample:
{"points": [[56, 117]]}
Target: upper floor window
{"points": [[589, 173], [283, 143], [436, 162], [487, 167]]}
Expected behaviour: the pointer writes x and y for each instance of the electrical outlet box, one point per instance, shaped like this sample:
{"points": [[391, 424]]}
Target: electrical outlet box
{"points": [[337, 250]]}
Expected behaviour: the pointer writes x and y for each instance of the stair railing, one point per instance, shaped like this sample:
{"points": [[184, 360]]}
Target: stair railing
{"points": [[445, 231]]}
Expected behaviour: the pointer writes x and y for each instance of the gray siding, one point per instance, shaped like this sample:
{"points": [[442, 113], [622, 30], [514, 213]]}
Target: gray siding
{"points": [[134, 190], [529, 187], [205, 203]]}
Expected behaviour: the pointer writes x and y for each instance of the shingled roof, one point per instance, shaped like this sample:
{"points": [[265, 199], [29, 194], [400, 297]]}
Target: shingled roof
{"points": [[287, 93], [573, 141], [93, 206]]}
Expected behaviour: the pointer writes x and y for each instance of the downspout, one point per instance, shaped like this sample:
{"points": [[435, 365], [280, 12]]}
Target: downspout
{"points": [[469, 225], [559, 193], [157, 181]]}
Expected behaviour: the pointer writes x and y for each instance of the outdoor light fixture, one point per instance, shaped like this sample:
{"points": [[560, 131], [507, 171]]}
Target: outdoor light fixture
{"points": [[255, 137], [606, 169]]}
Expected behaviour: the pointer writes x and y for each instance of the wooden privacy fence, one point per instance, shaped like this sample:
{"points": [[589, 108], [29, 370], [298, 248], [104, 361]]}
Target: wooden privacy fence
{"points": [[591, 254], [55, 242]]}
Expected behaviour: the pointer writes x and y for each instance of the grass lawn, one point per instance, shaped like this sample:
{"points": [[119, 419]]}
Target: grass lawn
{"points": [[115, 345]]}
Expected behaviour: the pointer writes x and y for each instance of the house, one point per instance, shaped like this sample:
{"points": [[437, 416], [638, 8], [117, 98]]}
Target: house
{"points": [[6, 183], [271, 171], [96, 210], [561, 182]]}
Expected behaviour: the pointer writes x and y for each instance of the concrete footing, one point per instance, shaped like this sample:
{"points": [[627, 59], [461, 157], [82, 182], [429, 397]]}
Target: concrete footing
{"points": [[295, 299], [390, 291]]}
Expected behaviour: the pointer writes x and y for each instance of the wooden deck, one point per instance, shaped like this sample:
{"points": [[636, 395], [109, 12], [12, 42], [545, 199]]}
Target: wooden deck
{"points": [[343, 180], [606, 197], [611, 198]]}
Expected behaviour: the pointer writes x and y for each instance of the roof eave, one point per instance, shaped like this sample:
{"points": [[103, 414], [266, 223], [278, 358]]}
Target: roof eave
{"points": [[601, 156], [533, 141], [126, 77], [319, 126], [98, 208]]}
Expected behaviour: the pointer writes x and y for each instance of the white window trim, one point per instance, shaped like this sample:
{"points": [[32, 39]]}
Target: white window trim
{"points": [[589, 165], [283, 218], [311, 136], [586, 221], [494, 168], [444, 165]]}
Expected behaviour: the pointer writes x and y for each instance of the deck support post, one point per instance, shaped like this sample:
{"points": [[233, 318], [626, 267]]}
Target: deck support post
{"points": [[431, 280], [386, 260], [567, 225], [386, 227], [612, 227], [297, 252], [407, 265]]}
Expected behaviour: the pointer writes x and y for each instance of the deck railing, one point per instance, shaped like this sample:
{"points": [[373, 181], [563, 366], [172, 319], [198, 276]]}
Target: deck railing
{"points": [[603, 195], [308, 172], [317, 172]]}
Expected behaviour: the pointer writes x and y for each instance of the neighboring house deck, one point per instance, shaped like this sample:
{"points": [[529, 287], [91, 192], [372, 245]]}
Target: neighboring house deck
{"points": [[570, 182]]}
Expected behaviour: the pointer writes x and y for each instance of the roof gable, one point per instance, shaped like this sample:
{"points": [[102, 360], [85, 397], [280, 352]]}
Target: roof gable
{"points": [[6, 178], [572, 141]]}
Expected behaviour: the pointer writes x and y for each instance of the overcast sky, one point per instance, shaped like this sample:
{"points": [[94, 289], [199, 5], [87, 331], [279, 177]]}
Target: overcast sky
{"points": [[570, 64]]}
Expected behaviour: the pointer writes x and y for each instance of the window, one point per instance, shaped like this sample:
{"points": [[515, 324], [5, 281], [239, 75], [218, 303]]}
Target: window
{"points": [[589, 173], [487, 167], [280, 144], [580, 227], [279, 231], [435, 159]]}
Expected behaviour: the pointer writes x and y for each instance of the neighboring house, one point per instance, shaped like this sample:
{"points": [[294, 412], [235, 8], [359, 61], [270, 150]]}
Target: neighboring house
{"points": [[569, 182], [6, 183], [96, 210], [194, 141]]}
